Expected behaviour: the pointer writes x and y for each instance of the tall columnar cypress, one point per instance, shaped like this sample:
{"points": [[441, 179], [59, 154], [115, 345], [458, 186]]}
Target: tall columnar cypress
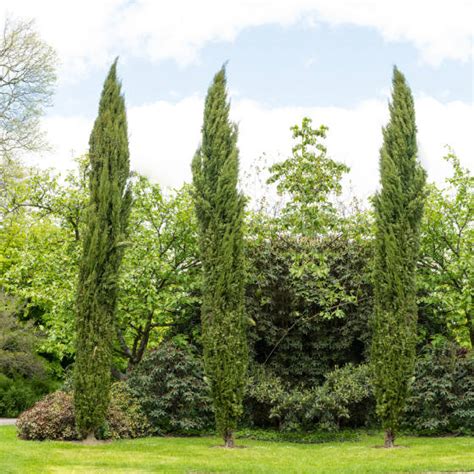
{"points": [[398, 211], [220, 208], [108, 212]]}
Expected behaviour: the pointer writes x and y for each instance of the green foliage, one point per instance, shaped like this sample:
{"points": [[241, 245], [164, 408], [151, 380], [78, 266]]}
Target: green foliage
{"points": [[398, 210], [308, 284], [41, 223], [345, 399], [264, 392], [23, 375], [309, 291], [17, 344], [103, 246], [17, 394], [309, 183], [50, 418], [442, 395], [219, 209], [309, 179], [446, 265], [125, 417], [160, 274], [299, 332], [313, 437], [172, 390], [53, 418]]}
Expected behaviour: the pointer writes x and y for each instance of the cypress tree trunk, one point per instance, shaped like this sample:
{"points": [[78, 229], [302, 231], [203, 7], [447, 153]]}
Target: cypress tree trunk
{"points": [[398, 211], [219, 209], [108, 211]]}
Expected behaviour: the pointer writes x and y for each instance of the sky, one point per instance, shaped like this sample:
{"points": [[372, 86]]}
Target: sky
{"points": [[330, 60]]}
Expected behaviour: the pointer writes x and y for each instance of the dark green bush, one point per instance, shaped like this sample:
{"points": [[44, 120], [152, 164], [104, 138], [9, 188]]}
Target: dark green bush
{"points": [[23, 375], [18, 344], [53, 417], [279, 298], [264, 392], [304, 437], [18, 394], [442, 394], [172, 390], [343, 400], [125, 417]]}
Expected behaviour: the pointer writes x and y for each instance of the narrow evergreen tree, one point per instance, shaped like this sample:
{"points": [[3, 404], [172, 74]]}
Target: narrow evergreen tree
{"points": [[108, 211], [219, 208], [398, 211]]}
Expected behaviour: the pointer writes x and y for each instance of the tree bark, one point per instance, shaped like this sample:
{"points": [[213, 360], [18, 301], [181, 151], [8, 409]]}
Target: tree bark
{"points": [[389, 438], [229, 440]]}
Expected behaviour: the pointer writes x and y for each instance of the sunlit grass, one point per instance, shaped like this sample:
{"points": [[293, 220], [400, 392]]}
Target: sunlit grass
{"points": [[200, 455]]}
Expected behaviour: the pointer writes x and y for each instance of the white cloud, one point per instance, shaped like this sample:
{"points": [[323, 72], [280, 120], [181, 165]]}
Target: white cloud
{"points": [[68, 138], [439, 29], [82, 32], [165, 135], [88, 33]]}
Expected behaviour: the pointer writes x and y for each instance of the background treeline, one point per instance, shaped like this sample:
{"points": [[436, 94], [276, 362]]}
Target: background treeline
{"points": [[308, 300]]}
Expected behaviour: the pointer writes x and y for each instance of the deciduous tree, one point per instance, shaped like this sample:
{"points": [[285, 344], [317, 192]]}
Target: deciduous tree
{"points": [[27, 78]]}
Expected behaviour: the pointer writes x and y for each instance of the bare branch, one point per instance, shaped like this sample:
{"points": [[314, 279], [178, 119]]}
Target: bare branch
{"points": [[27, 78]]}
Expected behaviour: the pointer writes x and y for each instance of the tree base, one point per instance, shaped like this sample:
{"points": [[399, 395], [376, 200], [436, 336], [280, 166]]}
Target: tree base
{"points": [[90, 439], [389, 441], [229, 440]]}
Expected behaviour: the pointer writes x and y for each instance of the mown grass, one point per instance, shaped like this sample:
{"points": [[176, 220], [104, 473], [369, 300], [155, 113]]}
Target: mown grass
{"points": [[200, 455]]}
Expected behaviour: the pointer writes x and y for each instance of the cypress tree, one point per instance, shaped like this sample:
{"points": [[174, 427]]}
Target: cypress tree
{"points": [[108, 211], [398, 213], [219, 209]]}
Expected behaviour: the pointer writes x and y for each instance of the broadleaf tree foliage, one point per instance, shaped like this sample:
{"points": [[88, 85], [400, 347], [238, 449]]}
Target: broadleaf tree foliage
{"points": [[446, 262], [41, 222], [160, 273], [398, 214], [103, 246], [309, 180], [309, 183], [220, 209]]}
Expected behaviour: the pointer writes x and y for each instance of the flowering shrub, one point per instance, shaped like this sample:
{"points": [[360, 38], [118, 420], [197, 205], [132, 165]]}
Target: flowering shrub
{"points": [[53, 417]]}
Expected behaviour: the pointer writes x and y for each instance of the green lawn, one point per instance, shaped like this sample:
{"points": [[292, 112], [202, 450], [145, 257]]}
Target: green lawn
{"points": [[199, 455]]}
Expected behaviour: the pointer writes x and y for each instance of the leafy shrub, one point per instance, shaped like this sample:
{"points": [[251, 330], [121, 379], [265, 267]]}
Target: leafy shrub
{"points": [[343, 400], [442, 394], [50, 418], [18, 343], [18, 394], [125, 417], [264, 392], [53, 417], [23, 376], [304, 437], [288, 287], [172, 390]]}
